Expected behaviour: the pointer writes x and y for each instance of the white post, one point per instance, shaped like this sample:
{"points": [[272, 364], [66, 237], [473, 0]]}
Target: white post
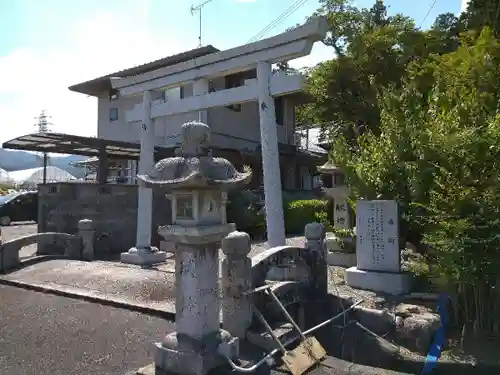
{"points": [[270, 158], [143, 253], [146, 163]]}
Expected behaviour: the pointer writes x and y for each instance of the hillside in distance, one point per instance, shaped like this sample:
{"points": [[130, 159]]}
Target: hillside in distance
{"points": [[16, 160]]}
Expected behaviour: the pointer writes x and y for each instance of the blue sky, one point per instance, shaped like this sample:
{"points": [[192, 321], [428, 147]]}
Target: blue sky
{"points": [[45, 46]]}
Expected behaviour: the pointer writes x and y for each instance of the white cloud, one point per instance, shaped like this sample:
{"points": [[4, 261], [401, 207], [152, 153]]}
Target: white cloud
{"points": [[320, 52], [33, 80], [463, 5]]}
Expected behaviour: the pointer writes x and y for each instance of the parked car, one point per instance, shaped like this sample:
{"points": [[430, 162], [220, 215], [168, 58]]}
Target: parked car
{"points": [[21, 206]]}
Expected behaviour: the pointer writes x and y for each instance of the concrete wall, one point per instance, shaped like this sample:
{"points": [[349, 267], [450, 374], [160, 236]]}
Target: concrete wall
{"points": [[111, 207]]}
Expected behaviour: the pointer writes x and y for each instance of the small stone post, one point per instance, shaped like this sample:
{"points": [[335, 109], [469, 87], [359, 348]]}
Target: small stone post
{"points": [[315, 244], [86, 232], [236, 278]]}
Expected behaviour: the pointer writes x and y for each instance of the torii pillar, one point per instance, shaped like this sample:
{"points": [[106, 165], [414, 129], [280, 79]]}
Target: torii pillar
{"points": [[270, 158], [143, 253]]}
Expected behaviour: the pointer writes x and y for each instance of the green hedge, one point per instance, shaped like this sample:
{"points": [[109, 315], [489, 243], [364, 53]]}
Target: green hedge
{"points": [[243, 211], [301, 212]]}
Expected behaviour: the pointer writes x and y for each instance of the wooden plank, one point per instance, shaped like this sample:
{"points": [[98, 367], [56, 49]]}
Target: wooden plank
{"points": [[304, 356]]}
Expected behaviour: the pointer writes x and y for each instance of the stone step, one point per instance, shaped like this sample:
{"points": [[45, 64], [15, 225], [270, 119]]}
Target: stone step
{"points": [[262, 339]]}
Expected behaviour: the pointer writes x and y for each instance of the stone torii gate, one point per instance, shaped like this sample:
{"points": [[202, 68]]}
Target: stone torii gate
{"points": [[260, 55]]}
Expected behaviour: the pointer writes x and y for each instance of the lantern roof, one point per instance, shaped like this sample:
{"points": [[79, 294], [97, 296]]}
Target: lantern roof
{"points": [[193, 167], [328, 167]]}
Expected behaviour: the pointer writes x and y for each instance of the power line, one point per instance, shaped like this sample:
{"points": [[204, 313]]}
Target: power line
{"points": [[291, 9], [428, 12], [283, 16]]}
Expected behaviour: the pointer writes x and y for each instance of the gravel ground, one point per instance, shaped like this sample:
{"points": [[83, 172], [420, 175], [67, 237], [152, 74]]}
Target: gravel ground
{"points": [[16, 230]]}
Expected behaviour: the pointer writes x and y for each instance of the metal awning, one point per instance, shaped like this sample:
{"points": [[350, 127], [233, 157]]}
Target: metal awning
{"points": [[72, 144]]}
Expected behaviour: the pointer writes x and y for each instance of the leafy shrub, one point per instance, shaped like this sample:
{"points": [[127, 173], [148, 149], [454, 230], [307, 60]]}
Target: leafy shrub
{"points": [[301, 212], [244, 211]]}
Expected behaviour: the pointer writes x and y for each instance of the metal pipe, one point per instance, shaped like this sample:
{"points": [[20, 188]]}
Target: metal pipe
{"points": [[287, 315], [268, 328], [292, 340], [258, 289], [326, 322]]}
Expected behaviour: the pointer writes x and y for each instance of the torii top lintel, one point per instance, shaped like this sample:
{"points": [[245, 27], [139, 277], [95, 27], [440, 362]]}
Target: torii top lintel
{"points": [[289, 45]]}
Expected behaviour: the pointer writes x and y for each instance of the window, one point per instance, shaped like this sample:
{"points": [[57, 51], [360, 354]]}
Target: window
{"points": [[211, 87], [279, 110], [232, 81], [298, 177], [113, 114], [173, 94], [184, 207], [113, 95], [327, 180], [338, 178]]}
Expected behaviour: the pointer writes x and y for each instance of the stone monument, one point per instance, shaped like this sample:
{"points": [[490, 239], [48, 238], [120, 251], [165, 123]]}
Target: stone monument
{"points": [[197, 184], [341, 250], [377, 248]]}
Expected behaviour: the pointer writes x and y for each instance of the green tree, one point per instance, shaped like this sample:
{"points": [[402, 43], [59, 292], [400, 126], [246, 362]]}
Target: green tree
{"points": [[438, 153], [373, 51], [481, 13]]}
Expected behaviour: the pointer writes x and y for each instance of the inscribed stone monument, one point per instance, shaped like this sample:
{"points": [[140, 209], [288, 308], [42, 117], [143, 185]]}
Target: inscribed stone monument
{"points": [[377, 240], [377, 248]]}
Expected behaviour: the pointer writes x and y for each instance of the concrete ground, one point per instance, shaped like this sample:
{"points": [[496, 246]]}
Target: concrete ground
{"points": [[46, 334], [59, 333], [110, 282], [114, 283]]}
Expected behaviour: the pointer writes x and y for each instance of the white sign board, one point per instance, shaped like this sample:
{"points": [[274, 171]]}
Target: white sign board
{"points": [[377, 239]]}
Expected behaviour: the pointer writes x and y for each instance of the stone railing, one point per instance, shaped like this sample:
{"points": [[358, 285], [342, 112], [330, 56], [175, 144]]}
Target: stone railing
{"points": [[301, 270], [77, 246]]}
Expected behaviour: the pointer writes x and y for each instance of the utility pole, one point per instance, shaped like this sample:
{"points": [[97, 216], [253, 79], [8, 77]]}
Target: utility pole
{"points": [[43, 123], [198, 9], [42, 126]]}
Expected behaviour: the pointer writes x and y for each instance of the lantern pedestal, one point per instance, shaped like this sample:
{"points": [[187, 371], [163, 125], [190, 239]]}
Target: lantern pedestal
{"points": [[143, 257], [194, 349]]}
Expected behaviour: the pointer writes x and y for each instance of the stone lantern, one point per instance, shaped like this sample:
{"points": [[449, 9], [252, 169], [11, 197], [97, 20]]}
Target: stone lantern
{"points": [[339, 192], [341, 249], [197, 184]]}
